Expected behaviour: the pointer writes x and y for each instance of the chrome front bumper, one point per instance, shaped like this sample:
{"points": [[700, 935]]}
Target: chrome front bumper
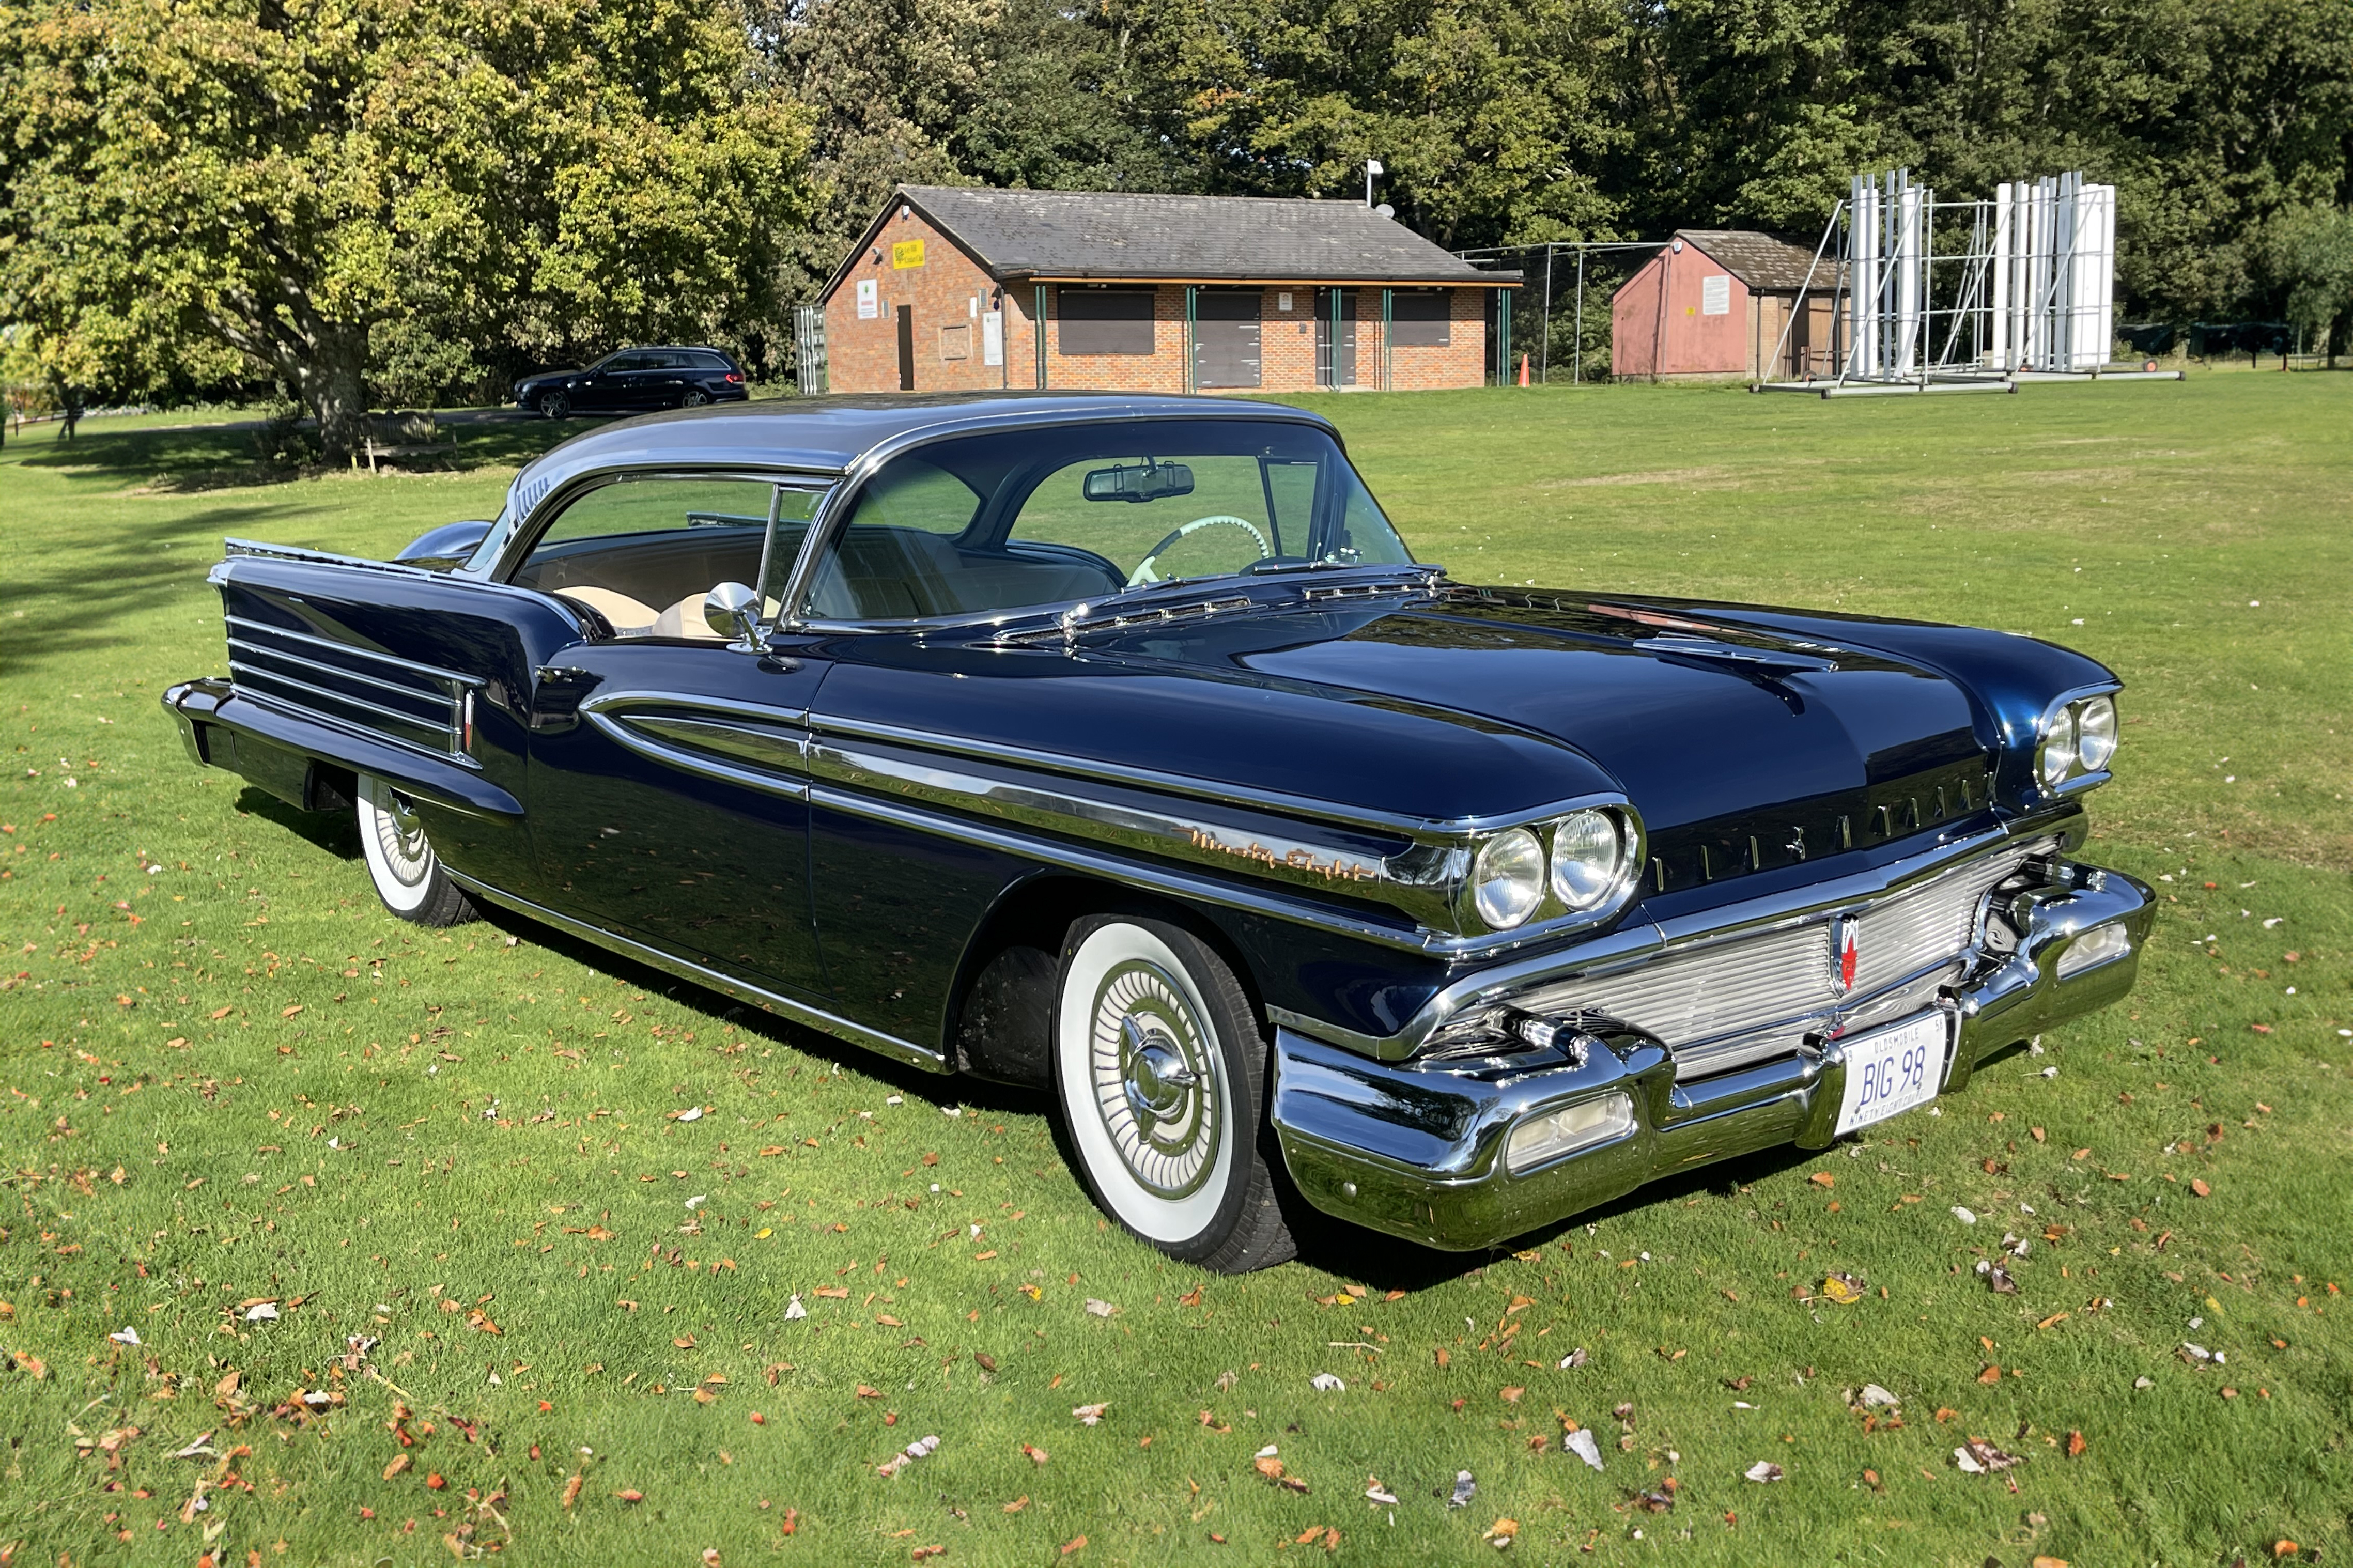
{"points": [[1417, 1149]]}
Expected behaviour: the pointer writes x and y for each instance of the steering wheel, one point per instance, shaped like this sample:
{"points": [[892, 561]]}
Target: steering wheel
{"points": [[1144, 574]]}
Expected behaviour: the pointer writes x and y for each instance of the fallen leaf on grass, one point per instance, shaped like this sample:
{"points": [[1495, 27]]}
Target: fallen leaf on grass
{"points": [[2201, 1188], [1501, 1534], [2075, 1445], [399, 1463], [1465, 1488], [1381, 1495], [1582, 1444], [1978, 1458], [1073, 1545], [1089, 1415], [572, 1490], [1036, 1456], [1823, 1179], [630, 1496], [1842, 1288], [1017, 1504], [1100, 1309], [1324, 1383], [1573, 1359], [1762, 1471]]}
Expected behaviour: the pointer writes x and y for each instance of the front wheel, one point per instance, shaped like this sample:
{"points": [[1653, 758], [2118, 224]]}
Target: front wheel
{"points": [[696, 398], [408, 876], [1161, 1073], [556, 405]]}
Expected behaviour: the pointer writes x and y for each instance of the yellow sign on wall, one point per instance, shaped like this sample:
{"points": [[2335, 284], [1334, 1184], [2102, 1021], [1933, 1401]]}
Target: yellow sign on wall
{"points": [[907, 253]]}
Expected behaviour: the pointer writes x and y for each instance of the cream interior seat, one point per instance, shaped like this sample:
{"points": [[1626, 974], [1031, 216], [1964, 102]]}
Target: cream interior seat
{"points": [[629, 618], [684, 619]]}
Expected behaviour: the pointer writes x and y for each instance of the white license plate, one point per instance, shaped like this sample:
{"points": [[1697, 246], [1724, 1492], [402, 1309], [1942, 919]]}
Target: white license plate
{"points": [[1892, 1070]]}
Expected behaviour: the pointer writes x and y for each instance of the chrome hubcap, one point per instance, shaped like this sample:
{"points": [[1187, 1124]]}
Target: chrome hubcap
{"points": [[1153, 1080], [402, 837]]}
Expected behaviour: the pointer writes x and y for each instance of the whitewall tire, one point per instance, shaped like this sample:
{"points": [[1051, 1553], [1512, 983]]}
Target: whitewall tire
{"points": [[408, 876], [1161, 1072]]}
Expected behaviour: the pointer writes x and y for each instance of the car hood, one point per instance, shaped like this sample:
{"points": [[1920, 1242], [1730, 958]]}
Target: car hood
{"points": [[1744, 750]]}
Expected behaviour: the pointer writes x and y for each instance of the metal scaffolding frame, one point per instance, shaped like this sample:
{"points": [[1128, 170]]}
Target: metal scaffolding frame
{"points": [[2024, 289]]}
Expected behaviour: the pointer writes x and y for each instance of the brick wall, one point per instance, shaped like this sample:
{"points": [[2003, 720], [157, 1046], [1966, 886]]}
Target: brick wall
{"points": [[949, 291]]}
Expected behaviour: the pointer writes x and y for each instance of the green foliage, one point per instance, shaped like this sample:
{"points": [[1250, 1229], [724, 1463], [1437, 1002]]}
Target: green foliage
{"points": [[2312, 254], [279, 181]]}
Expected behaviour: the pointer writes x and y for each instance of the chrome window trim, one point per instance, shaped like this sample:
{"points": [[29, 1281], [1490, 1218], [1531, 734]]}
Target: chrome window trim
{"points": [[863, 467], [717, 980], [522, 537]]}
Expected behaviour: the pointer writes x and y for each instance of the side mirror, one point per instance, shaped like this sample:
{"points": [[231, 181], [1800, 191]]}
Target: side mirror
{"points": [[733, 611], [444, 547]]}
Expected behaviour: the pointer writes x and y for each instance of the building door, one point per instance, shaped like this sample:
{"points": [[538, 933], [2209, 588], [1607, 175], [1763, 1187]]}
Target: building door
{"points": [[1335, 337], [1226, 338], [906, 348]]}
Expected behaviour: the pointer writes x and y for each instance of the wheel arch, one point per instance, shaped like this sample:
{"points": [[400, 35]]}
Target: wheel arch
{"points": [[1002, 1001]]}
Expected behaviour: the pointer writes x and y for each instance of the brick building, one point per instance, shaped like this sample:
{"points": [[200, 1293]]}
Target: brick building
{"points": [[949, 289], [1713, 304]]}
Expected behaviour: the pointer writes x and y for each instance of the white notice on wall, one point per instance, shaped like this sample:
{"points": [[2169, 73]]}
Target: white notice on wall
{"points": [[869, 299], [1716, 296], [992, 337]]}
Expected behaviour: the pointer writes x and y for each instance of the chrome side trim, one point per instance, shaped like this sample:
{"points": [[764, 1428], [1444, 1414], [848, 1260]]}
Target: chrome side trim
{"points": [[236, 547], [1171, 881], [717, 980], [445, 727], [433, 671], [1201, 789]]}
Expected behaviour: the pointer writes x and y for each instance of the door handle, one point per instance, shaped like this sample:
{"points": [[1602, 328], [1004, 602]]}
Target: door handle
{"points": [[557, 691]]}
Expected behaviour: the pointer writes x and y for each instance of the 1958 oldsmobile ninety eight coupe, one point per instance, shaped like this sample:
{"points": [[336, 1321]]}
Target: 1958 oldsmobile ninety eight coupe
{"points": [[1116, 745]]}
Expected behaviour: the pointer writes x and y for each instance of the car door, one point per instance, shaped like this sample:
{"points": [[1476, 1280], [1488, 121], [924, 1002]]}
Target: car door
{"points": [[667, 767], [607, 387]]}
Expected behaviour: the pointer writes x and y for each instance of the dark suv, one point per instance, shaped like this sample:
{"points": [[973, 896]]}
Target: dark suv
{"points": [[635, 380]]}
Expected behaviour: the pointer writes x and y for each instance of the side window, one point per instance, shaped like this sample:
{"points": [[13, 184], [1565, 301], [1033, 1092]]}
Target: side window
{"points": [[897, 556], [620, 362], [643, 553]]}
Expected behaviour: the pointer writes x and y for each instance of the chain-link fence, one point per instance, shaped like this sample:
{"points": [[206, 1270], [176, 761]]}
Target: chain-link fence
{"points": [[1558, 321]]}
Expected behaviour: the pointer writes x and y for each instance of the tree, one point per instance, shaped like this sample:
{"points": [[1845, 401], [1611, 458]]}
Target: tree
{"points": [[2311, 257], [304, 183]]}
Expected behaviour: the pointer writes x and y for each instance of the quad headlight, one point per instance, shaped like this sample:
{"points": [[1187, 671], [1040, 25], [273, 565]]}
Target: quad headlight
{"points": [[1579, 864], [1588, 856], [2078, 739], [1507, 881]]}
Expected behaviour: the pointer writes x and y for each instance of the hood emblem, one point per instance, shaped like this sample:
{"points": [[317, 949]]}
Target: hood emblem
{"points": [[1847, 935]]}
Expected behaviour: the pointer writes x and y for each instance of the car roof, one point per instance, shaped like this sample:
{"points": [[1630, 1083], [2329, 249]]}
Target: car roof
{"points": [[828, 435]]}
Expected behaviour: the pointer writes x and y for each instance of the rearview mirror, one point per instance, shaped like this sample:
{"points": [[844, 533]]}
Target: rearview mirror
{"points": [[1139, 481]]}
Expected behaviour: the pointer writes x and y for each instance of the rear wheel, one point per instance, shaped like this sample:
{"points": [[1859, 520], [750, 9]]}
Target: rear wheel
{"points": [[554, 404], [408, 876], [1161, 1073]]}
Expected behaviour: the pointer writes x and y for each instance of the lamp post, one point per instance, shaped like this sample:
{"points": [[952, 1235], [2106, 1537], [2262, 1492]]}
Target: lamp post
{"points": [[1372, 167]]}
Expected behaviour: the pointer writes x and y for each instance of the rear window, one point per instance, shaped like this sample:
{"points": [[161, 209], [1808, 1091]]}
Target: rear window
{"points": [[710, 362]]}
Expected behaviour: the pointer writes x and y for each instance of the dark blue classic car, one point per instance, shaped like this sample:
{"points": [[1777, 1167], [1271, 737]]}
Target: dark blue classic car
{"points": [[1116, 746]]}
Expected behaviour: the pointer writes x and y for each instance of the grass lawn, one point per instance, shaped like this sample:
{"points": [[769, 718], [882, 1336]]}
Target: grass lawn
{"points": [[232, 1080]]}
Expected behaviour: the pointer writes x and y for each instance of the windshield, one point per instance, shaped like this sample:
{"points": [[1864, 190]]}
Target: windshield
{"points": [[1012, 521]]}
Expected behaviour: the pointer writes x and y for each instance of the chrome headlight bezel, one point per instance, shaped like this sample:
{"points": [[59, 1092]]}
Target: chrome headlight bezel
{"points": [[2061, 763], [1563, 901]]}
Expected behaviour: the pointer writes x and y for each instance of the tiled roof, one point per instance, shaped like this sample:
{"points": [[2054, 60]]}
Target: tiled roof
{"points": [[1118, 234], [1763, 261]]}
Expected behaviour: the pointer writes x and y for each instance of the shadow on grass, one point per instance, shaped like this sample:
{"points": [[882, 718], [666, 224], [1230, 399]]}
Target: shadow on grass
{"points": [[1380, 1261], [168, 460]]}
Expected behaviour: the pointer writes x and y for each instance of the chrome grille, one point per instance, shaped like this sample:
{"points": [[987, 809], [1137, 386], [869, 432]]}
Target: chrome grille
{"points": [[397, 699], [1728, 1003]]}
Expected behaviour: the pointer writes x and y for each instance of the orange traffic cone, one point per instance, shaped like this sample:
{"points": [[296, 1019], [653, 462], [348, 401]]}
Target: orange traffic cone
{"points": [[1524, 370]]}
